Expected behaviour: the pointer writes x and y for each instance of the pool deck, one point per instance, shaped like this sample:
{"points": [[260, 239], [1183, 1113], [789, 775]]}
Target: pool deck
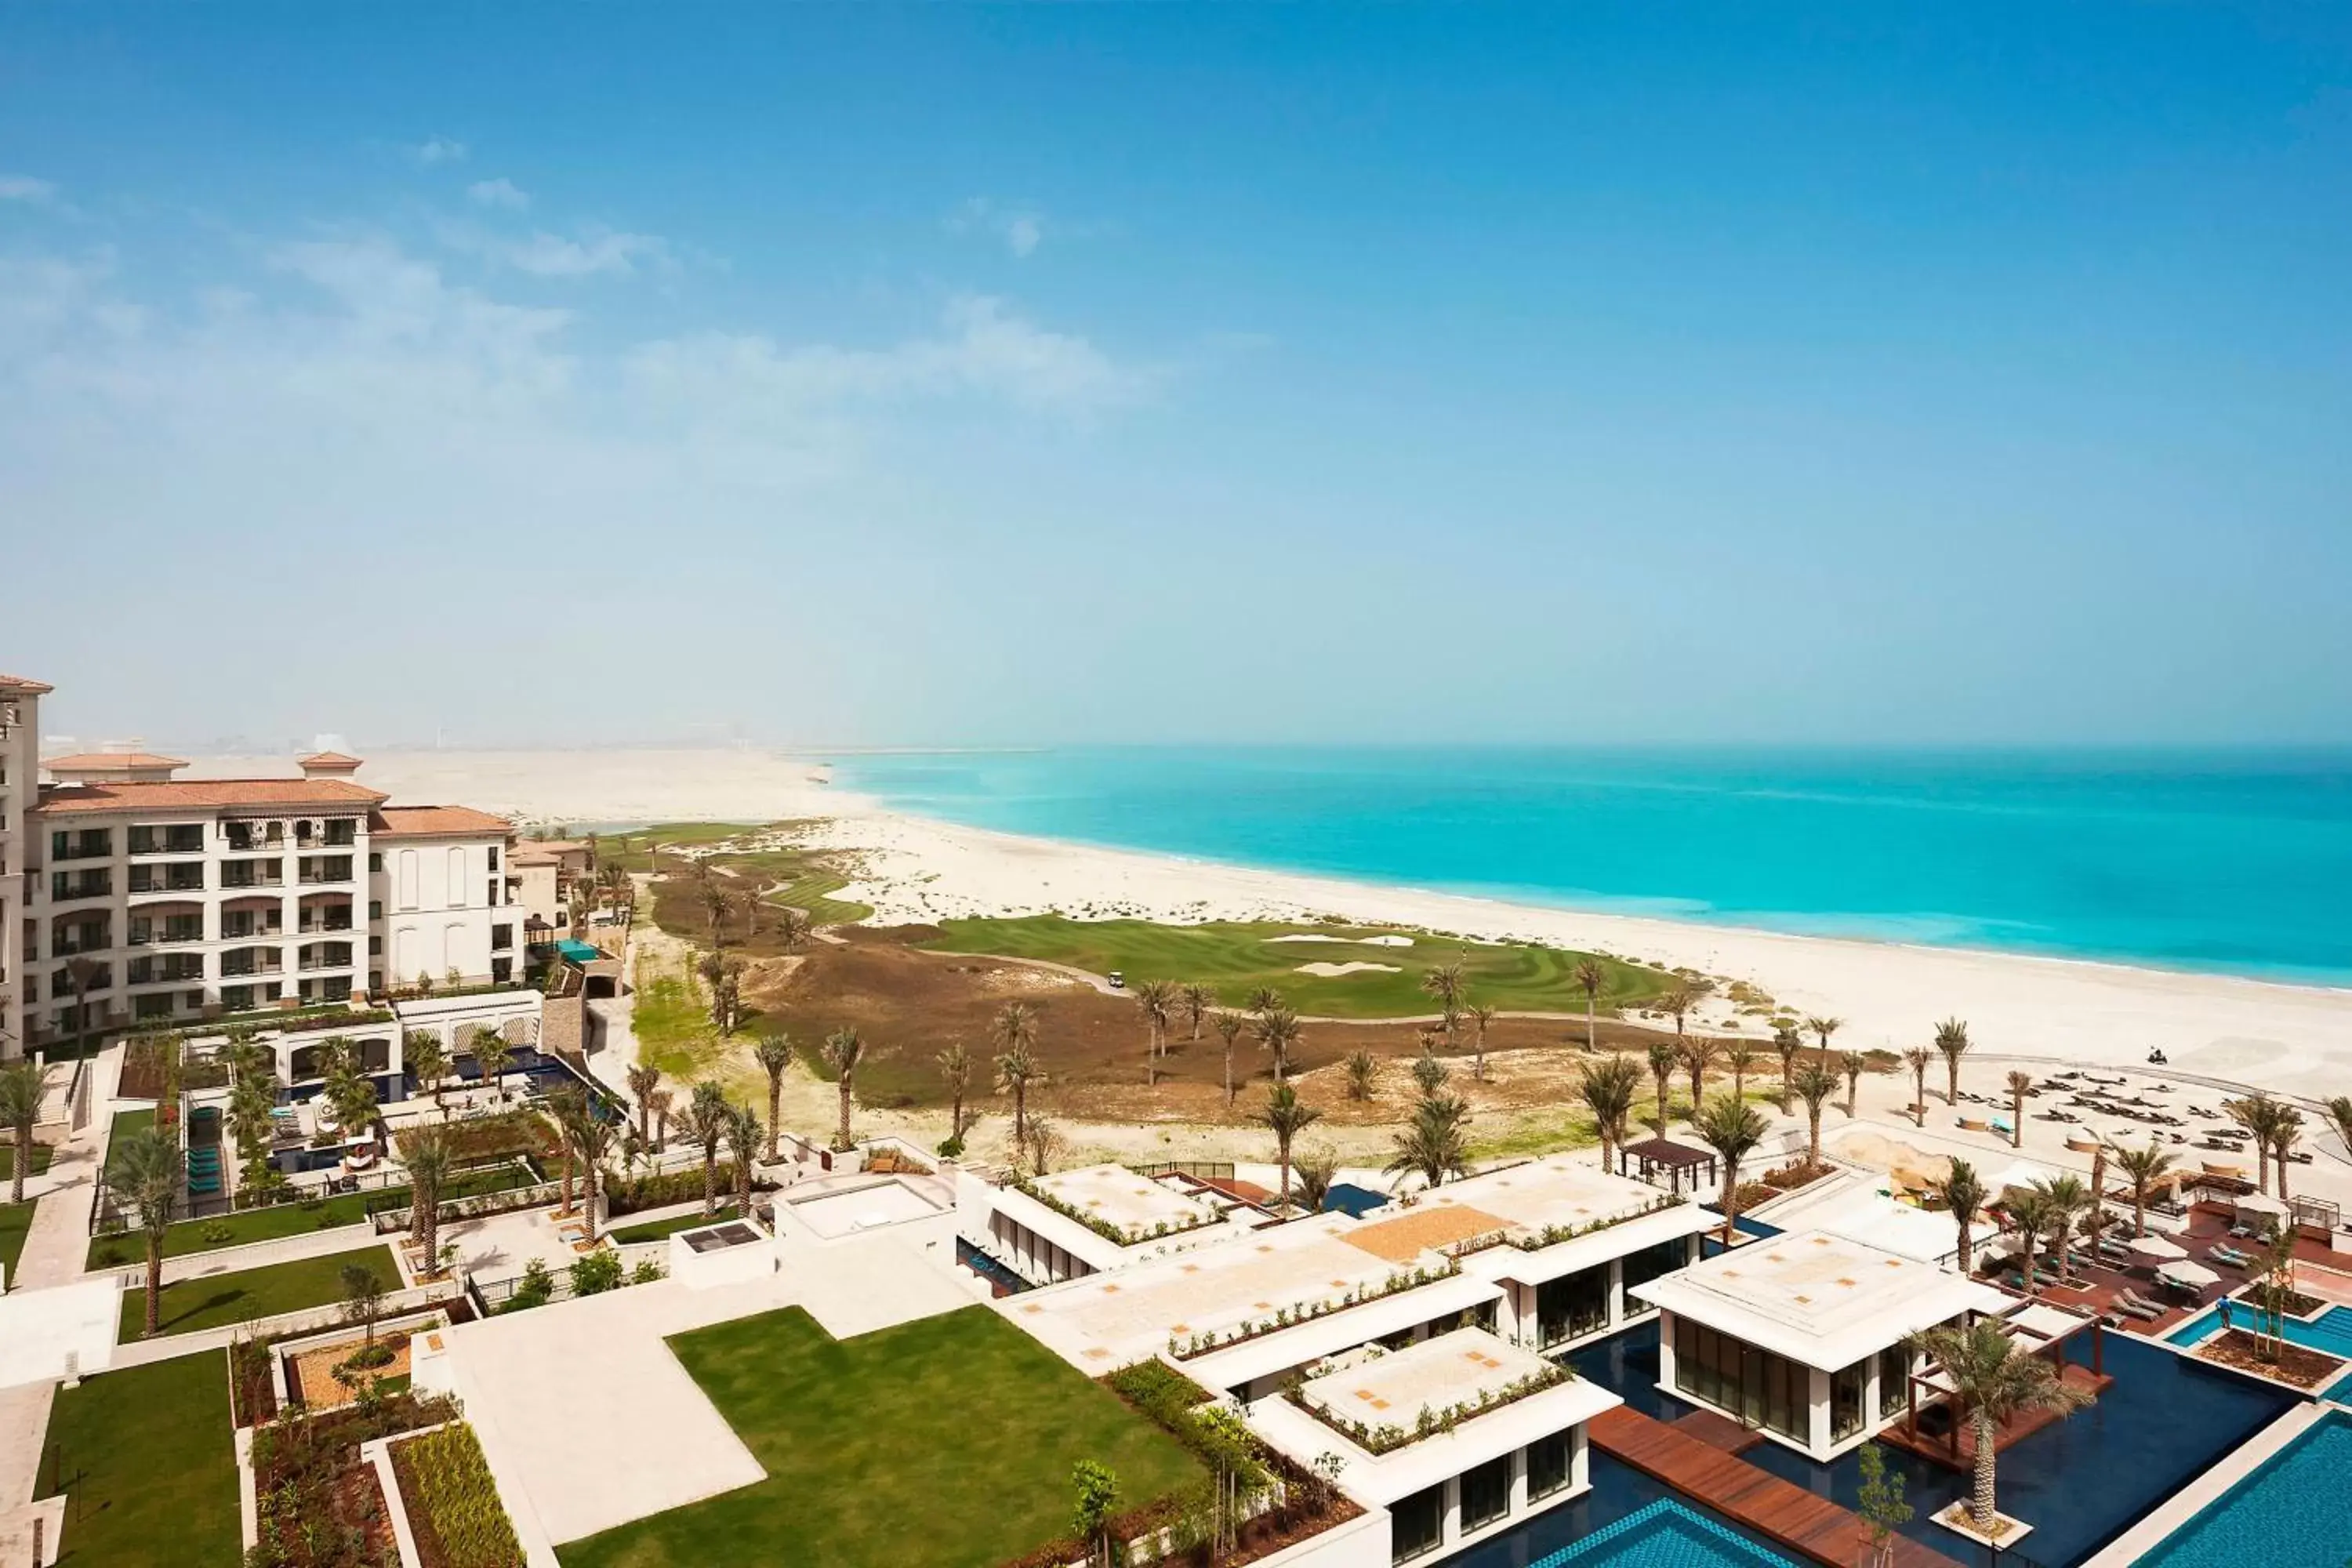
{"points": [[1780, 1510], [2184, 1505]]}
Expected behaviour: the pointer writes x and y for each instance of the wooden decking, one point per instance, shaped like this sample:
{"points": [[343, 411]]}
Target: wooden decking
{"points": [[1719, 1431], [1777, 1509], [1957, 1451]]}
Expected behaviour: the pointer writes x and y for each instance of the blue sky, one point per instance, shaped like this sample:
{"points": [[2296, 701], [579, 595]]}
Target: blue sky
{"points": [[1314, 373]]}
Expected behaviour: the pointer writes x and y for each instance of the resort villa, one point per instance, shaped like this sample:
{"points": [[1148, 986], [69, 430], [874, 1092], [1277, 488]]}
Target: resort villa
{"points": [[1804, 1336]]}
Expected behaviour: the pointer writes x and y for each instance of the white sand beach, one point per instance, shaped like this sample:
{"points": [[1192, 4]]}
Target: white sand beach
{"points": [[2293, 1039]]}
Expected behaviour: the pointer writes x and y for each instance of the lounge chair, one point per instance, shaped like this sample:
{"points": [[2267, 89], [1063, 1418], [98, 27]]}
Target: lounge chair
{"points": [[2129, 1300], [2228, 1257]]}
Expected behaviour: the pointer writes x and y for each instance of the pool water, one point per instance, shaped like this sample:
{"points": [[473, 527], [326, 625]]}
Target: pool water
{"points": [[2295, 1511], [1666, 1534]]}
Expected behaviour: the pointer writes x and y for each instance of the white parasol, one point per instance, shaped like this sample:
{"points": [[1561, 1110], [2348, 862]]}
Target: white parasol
{"points": [[2188, 1276], [2157, 1249]]}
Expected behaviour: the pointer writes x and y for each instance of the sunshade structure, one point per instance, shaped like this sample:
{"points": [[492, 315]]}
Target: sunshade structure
{"points": [[2258, 1206], [2157, 1249], [2188, 1276]]}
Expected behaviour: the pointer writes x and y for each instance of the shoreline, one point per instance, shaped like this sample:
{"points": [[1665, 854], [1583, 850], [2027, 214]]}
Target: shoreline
{"points": [[2290, 1036]]}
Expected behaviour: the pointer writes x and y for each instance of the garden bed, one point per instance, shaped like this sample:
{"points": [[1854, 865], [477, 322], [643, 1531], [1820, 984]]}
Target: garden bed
{"points": [[311, 1373], [451, 1501], [320, 1502], [2297, 1364]]}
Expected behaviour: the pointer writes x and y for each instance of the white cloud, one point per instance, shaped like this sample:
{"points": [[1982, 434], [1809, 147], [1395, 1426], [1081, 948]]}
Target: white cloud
{"points": [[500, 193], [25, 188], [438, 150], [1021, 230], [592, 252]]}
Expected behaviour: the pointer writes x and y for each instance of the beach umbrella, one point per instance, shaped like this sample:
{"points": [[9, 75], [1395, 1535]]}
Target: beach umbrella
{"points": [[2188, 1276], [2262, 1204], [2157, 1249]]}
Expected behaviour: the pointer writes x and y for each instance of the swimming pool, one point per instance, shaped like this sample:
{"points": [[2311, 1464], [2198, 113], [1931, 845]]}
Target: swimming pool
{"points": [[1664, 1535], [2293, 1512]]}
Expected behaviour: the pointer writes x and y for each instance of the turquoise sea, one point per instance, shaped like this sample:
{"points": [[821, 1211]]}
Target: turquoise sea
{"points": [[2236, 861]]}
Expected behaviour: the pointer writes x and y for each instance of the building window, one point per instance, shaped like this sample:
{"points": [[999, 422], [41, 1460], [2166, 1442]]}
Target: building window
{"points": [[1548, 1464], [156, 1005], [375, 947], [375, 908], [1761, 1388], [494, 858], [375, 862], [1847, 1386], [1894, 1380], [1651, 1263], [1417, 1523], [1572, 1305], [1485, 1493], [502, 939], [343, 831], [502, 970]]}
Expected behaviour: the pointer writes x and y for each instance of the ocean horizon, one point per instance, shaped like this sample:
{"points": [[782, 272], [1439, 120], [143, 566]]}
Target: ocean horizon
{"points": [[2218, 861]]}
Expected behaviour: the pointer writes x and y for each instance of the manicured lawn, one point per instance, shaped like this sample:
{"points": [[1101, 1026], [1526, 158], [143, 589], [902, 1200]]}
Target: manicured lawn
{"points": [[127, 1122], [946, 1442], [148, 1464], [16, 1219], [40, 1165], [1237, 957], [655, 1229], [220, 1299], [280, 1220]]}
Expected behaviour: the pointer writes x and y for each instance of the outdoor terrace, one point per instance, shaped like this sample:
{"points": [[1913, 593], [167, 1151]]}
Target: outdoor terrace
{"points": [[1138, 1207]]}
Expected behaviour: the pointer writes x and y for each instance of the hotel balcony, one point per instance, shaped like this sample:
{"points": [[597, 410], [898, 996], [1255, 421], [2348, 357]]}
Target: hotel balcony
{"points": [[66, 889], [253, 874], [186, 839], [148, 881], [325, 870], [86, 846]]}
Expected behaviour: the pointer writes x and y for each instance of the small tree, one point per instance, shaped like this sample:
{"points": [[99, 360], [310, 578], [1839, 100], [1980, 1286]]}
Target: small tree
{"points": [[1663, 1057], [842, 1051], [20, 1109], [1964, 1196], [1363, 1072], [1590, 978], [144, 1169], [1952, 1044], [643, 1078], [1090, 1513], [955, 1071], [1315, 1169], [1429, 1074], [1433, 1143], [429, 1158], [1278, 1030], [1853, 1063], [2020, 1084], [1814, 1085], [1786, 1044], [1732, 1129], [1481, 1017], [1916, 1059], [363, 1299], [1287, 1116], [1229, 1026], [1881, 1505], [1607, 1090], [774, 1053], [1015, 1034], [493, 1058], [705, 1120]]}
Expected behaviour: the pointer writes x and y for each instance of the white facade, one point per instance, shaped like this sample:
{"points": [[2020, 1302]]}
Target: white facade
{"points": [[438, 884], [20, 761]]}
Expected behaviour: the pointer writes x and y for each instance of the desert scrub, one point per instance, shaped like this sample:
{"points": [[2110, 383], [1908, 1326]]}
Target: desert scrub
{"points": [[453, 1503]]}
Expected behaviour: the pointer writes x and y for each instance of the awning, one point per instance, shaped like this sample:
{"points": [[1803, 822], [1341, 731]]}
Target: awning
{"points": [[2157, 1249], [2188, 1276], [2261, 1203]]}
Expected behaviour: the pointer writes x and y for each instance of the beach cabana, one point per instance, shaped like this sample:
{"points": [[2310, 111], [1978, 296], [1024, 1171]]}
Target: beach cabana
{"points": [[2259, 1210], [1663, 1163]]}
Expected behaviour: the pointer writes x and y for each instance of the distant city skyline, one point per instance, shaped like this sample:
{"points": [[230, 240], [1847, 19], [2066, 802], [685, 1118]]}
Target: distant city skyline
{"points": [[945, 375]]}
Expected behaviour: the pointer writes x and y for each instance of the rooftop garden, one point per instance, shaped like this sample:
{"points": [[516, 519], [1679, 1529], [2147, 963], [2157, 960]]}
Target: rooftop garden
{"points": [[1188, 1346], [219, 1300], [1377, 1437], [872, 1454], [147, 1463], [1536, 1239], [121, 1249], [1122, 1235]]}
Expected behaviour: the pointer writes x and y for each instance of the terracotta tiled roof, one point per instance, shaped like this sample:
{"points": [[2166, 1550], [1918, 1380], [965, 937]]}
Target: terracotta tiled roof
{"points": [[92, 761], [435, 821], [204, 794], [327, 760], [547, 851], [21, 683]]}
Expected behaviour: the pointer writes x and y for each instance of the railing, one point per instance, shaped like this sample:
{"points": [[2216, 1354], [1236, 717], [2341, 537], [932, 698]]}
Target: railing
{"points": [[1201, 1169], [391, 1218]]}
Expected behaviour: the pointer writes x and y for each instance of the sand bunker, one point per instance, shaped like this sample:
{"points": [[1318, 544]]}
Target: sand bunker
{"points": [[1333, 971]]}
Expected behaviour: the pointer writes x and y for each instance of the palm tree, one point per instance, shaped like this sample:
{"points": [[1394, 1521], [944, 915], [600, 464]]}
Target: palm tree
{"points": [[2286, 1131], [659, 1102], [2142, 1168], [1995, 1383], [144, 1169], [1278, 1031], [1444, 982], [1229, 1026], [1429, 1074], [1609, 1088], [2258, 1114], [705, 1120], [493, 1058], [1732, 1128], [1742, 1055], [2068, 1198], [1287, 1116], [842, 1051], [1433, 1143], [1786, 1044], [1916, 1059], [1013, 1033], [593, 1138], [1814, 1085], [427, 1060], [1962, 1191], [1590, 977], [955, 1071], [2020, 1084], [1157, 999], [1363, 1072], [568, 1106], [429, 1158], [1315, 1170], [644, 1078], [1952, 1044], [1823, 1028], [82, 970], [774, 1053], [1853, 1065], [1680, 1000], [1265, 999], [20, 1109], [744, 1134], [2029, 1211], [2339, 1116], [1481, 1016], [1197, 1000], [1662, 1072], [1698, 1053]]}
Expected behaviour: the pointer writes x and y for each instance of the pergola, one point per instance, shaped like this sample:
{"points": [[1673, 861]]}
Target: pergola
{"points": [[2039, 1328], [1675, 1160]]}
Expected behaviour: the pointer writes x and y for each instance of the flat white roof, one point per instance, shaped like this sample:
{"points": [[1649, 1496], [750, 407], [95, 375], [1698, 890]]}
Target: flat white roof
{"points": [[1237, 1366], [1819, 1299], [1447, 1371], [42, 1331], [1138, 1206], [1106, 1321]]}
